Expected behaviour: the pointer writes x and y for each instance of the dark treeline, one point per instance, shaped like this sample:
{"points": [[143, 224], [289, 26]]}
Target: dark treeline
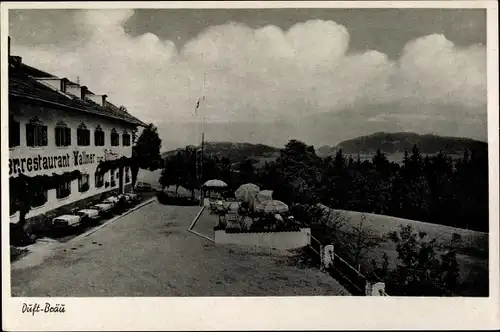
{"points": [[433, 189]]}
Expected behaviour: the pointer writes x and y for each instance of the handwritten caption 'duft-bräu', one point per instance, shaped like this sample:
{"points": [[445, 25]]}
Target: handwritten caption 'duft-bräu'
{"points": [[38, 163], [33, 308]]}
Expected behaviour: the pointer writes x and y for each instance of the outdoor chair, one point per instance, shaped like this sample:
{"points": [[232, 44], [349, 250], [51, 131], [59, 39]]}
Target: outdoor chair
{"points": [[221, 210], [213, 208], [242, 209], [226, 207], [232, 220]]}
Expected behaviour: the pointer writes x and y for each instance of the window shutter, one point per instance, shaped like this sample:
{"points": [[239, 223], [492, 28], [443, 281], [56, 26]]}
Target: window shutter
{"points": [[44, 135], [17, 132], [30, 135], [68, 135], [57, 132], [14, 133]]}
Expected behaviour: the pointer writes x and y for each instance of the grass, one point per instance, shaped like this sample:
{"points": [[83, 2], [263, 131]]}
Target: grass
{"points": [[269, 271], [472, 255]]}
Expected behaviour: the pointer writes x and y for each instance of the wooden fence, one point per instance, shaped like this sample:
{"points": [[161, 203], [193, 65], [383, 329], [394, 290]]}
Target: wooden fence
{"points": [[347, 275]]}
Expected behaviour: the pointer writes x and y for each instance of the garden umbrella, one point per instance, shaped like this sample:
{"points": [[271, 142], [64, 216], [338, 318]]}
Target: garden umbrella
{"points": [[215, 184], [263, 195], [246, 192], [271, 206]]}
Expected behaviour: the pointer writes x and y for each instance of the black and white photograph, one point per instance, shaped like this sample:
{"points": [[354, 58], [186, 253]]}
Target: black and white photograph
{"points": [[248, 152]]}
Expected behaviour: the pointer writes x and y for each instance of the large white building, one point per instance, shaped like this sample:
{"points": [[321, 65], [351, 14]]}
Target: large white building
{"points": [[58, 126]]}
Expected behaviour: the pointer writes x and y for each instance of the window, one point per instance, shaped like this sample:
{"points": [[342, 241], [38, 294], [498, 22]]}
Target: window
{"points": [[83, 183], [63, 134], [39, 197], [83, 135], [115, 138], [36, 133], [63, 190], [99, 136], [14, 132], [99, 180], [127, 174], [126, 139], [112, 174]]}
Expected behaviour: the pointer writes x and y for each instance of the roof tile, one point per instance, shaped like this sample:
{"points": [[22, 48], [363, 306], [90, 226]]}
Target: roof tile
{"points": [[23, 84]]}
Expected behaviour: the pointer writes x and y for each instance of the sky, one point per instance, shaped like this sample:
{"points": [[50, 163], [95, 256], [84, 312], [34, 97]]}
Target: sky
{"points": [[270, 75]]}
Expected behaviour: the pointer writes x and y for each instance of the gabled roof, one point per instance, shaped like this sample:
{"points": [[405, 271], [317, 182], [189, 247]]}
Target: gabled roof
{"points": [[22, 84]]}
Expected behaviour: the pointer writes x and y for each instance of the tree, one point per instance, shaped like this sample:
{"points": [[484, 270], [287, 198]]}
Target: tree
{"points": [[419, 271], [298, 170], [189, 160], [326, 224], [381, 163], [21, 195], [146, 151], [148, 147], [172, 173], [247, 171], [360, 240]]}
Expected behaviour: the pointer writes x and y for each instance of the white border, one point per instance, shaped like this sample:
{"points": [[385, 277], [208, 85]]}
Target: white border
{"points": [[245, 313]]}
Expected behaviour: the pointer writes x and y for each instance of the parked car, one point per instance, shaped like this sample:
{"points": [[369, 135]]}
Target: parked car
{"points": [[104, 209], [88, 214], [67, 220], [133, 197], [111, 200], [143, 186]]}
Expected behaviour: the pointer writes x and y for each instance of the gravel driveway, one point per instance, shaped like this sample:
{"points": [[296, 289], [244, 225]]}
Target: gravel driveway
{"points": [[150, 253]]}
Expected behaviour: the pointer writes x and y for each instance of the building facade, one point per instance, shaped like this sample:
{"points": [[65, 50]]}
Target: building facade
{"points": [[57, 126]]}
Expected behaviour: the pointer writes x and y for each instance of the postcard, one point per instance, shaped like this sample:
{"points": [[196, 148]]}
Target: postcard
{"points": [[250, 165]]}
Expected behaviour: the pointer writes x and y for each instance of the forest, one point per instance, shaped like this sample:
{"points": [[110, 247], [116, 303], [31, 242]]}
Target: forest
{"points": [[435, 189]]}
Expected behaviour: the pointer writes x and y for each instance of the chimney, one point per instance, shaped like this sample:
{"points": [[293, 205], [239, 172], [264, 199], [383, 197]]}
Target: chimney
{"points": [[98, 99], [14, 61], [83, 91]]}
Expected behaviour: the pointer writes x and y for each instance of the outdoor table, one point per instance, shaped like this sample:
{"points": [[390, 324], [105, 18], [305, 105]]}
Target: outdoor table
{"points": [[66, 220], [89, 213]]}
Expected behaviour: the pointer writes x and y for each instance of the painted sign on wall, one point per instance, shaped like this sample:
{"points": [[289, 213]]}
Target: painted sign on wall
{"points": [[38, 163]]}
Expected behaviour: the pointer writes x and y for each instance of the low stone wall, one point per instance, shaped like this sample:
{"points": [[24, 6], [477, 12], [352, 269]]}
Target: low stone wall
{"points": [[277, 240]]}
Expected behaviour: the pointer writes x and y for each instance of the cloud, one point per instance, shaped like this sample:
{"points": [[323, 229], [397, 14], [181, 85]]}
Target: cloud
{"points": [[265, 74]]}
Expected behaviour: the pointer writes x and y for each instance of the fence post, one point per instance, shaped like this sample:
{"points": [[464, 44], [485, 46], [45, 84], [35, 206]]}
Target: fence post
{"points": [[328, 255], [368, 288], [321, 256], [374, 289]]}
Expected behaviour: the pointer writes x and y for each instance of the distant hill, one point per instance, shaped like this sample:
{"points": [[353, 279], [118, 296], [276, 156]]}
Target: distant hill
{"points": [[236, 152], [396, 143]]}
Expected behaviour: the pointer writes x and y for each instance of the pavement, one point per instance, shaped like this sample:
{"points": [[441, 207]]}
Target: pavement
{"points": [[149, 252]]}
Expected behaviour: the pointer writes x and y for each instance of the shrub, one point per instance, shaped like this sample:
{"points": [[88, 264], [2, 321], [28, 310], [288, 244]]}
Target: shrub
{"points": [[419, 272]]}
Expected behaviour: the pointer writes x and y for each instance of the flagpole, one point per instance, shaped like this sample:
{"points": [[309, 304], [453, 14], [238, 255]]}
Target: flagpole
{"points": [[199, 170]]}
